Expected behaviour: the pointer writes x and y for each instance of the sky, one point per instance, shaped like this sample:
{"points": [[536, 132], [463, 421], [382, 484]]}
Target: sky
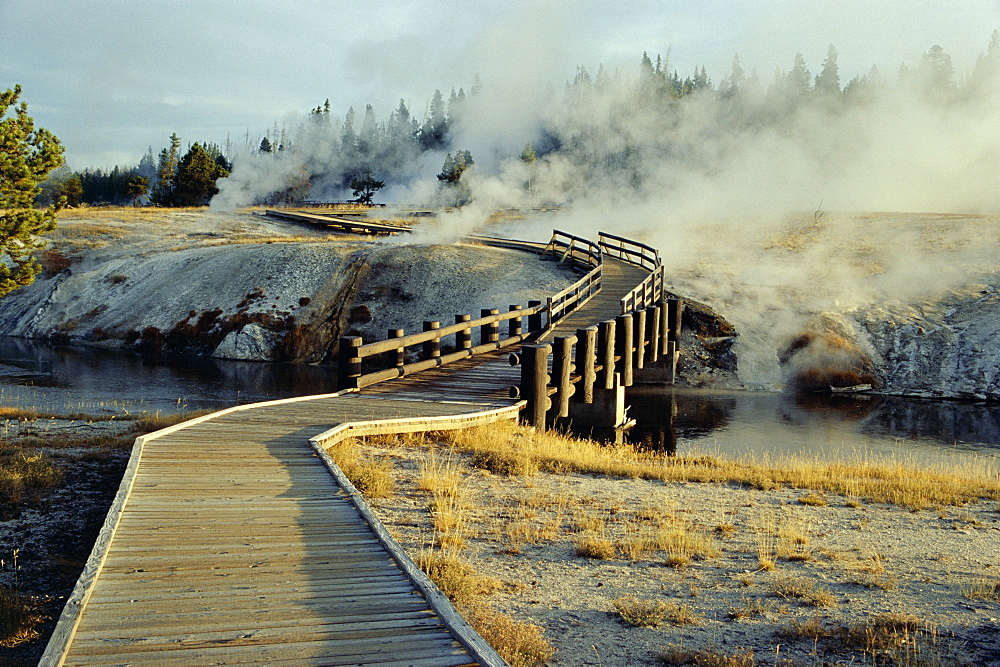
{"points": [[111, 78]]}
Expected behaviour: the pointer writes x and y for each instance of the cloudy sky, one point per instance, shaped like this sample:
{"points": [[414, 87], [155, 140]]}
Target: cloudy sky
{"points": [[112, 78]]}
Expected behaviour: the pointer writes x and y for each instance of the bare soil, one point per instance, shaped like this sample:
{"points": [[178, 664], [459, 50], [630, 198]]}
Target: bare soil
{"points": [[845, 565]]}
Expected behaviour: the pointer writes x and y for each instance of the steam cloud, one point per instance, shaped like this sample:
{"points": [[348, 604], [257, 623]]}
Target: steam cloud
{"points": [[726, 185]]}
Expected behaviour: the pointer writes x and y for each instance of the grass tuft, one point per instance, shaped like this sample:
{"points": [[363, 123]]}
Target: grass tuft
{"points": [[520, 644], [19, 618]]}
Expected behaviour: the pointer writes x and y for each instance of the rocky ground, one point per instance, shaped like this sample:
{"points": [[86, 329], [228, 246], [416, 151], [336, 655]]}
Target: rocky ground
{"points": [[239, 285]]}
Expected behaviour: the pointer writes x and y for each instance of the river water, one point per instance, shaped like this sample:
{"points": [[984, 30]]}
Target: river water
{"points": [[85, 379]]}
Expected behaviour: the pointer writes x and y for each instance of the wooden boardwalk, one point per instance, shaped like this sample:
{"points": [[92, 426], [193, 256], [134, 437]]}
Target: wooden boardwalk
{"points": [[235, 540]]}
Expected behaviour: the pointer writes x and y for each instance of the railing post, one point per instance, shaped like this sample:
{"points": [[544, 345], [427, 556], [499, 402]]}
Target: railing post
{"points": [[534, 382], [350, 362], [489, 333], [463, 338], [586, 356], [514, 323], [397, 357], [535, 319], [550, 307], [432, 348], [639, 334], [606, 354], [624, 345], [562, 371]]}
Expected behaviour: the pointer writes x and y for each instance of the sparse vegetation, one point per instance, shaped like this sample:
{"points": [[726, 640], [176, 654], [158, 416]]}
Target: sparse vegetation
{"points": [[19, 618]]}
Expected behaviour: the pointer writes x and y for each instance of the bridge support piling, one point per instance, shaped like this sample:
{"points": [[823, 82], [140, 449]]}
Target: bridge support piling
{"points": [[625, 352], [349, 362], [606, 337], [607, 411], [535, 382], [676, 316], [562, 371], [639, 320], [586, 358], [653, 317]]}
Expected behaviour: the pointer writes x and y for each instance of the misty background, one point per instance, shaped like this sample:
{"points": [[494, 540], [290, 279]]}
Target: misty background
{"points": [[750, 142]]}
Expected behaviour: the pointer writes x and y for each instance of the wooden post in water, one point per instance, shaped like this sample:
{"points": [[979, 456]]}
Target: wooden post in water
{"points": [[514, 323], [562, 371], [586, 356], [489, 333], [350, 362], [624, 345], [397, 357], [606, 354], [534, 320], [463, 338], [639, 320], [432, 348], [534, 382]]}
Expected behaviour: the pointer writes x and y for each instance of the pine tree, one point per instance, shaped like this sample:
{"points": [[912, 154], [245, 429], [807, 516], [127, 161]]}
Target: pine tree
{"points": [[828, 80], [197, 173], [27, 155], [166, 173]]}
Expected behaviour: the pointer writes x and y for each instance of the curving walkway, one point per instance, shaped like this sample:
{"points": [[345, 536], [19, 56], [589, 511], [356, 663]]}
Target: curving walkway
{"points": [[235, 540]]}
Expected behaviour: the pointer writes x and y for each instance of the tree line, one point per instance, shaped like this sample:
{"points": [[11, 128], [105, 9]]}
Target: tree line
{"points": [[171, 179]]}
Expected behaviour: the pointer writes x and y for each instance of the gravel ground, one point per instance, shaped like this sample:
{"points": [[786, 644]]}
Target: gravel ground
{"points": [[846, 564]]}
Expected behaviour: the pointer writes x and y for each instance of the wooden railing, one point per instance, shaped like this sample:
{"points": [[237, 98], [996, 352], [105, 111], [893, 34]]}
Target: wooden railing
{"points": [[597, 358], [650, 290], [393, 353]]}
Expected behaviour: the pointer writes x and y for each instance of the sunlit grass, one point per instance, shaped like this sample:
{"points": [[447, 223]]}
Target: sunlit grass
{"points": [[509, 448]]}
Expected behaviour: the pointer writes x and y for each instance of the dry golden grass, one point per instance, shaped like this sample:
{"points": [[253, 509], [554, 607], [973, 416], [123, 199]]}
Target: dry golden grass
{"points": [[594, 545], [372, 478], [520, 644], [457, 579], [792, 587], [513, 449], [982, 588], [19, 618], [26, 473], [675, 654]]}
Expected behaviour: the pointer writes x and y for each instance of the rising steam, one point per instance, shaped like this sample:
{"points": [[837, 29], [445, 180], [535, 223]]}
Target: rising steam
{"points": [[732, 182]]}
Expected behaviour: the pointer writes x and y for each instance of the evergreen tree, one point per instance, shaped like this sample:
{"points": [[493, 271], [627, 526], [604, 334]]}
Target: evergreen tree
{"points": [[166, 172], [364, 187], [137, 186], [265, 146], [196, 176], [828, 80], [27, 155], [71, 190], [434, 131]]}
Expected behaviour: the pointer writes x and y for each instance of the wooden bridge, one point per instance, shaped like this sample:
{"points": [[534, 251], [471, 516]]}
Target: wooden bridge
{"points": [[235, 539]]}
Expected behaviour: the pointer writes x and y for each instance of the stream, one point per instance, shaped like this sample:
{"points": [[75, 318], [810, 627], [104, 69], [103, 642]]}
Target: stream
{"points": [[61, 378]]}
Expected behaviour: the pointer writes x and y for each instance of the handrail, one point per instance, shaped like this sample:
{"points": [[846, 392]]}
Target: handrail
{"points": [[541, 317], [650, 290], [629, 251]]}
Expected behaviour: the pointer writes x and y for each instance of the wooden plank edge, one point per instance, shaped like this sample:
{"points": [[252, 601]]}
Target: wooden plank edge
{"points": [[463, 632], [72, 612]]}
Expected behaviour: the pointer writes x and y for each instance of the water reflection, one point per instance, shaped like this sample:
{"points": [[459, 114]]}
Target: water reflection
{"points": [[692, 421], [60, 378], [49, 377]]}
